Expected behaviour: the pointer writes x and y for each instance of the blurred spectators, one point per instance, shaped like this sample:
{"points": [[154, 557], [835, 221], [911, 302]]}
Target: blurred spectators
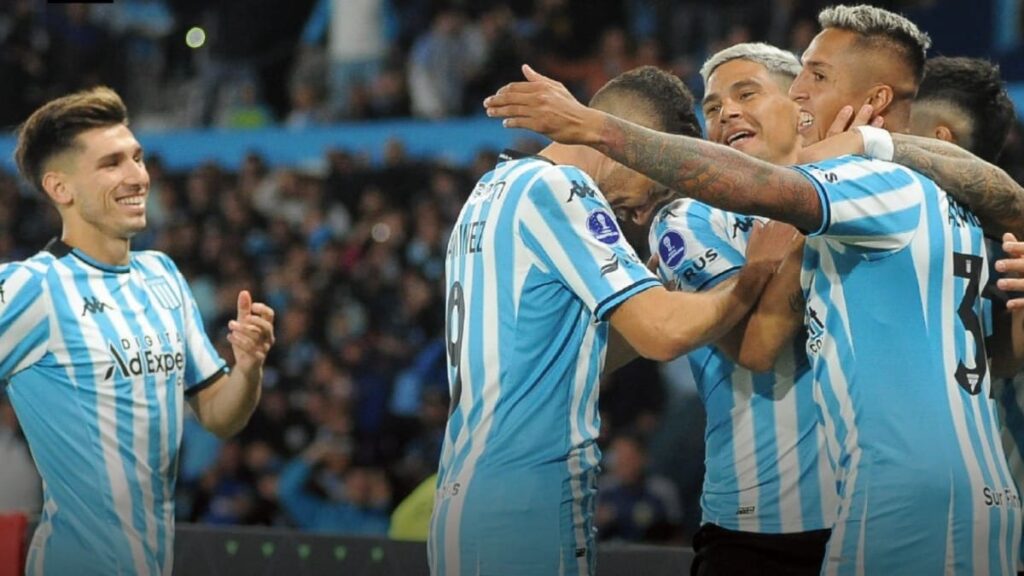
{"points": [[632, 503], [21, 489], [352, 499]]}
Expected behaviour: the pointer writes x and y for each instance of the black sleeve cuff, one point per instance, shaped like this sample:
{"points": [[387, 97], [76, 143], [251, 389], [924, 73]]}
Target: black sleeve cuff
{"points": [[193, 390]]}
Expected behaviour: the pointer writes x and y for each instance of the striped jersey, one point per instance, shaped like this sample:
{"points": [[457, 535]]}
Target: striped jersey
{"points": [[895, 326], [1009, 397], [1008, 393], [97, 360], [765, 465], [535, 265]]}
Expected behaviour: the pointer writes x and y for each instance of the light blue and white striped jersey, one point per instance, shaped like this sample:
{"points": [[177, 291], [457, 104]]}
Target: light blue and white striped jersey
{"points": [[1009, 397], [1008, 394], [536, 263], [97, 360], [765, 465], [893, 278]]}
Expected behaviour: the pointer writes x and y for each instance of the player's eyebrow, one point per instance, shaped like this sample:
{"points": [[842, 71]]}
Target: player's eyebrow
{"points": [[738, 85]]}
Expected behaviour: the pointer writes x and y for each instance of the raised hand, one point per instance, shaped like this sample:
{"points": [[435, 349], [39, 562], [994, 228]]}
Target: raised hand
{"points": [[845, 119], [546, 106], [252, 333], [842, 139]]}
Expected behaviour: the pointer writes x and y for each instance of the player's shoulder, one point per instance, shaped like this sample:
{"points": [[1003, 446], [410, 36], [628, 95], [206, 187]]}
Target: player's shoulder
{"points": [[680, 210], [36, 266], [854, 168], [561, 179], [154, 261]]}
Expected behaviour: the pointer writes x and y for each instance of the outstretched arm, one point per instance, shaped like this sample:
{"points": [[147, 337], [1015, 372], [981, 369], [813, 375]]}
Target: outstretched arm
{"points": [[711, 173]]}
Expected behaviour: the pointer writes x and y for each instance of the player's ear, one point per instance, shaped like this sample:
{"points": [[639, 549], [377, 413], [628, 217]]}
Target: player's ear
{"points": [[56, 187], [880, 98], [942, 132]]}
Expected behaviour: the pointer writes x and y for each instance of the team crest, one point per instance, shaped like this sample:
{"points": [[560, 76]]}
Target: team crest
{"points": [[602, 226], [671, 248], [163, 292]]}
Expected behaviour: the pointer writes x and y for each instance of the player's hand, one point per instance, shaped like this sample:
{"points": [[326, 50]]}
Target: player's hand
{"points": [[546, 106], [252, 333], [841, 139], [770, 243], [1012, 269], [845, 120]]}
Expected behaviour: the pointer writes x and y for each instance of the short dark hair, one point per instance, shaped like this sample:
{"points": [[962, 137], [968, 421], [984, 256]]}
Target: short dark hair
{"points": [[975, 87], [668, 100], [52, 129]]}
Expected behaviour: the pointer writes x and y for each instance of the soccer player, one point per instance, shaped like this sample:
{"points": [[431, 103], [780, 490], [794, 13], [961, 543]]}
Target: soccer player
{"points": [[893, 271], [100, 345], [769, 494], [964, 101], [537, 268]]}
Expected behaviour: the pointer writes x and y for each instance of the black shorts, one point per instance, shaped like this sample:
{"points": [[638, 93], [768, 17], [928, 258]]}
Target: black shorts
{"points": [[722, 552]]}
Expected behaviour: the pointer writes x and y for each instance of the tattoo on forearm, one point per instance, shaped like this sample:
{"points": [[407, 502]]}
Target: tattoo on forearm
{"points": [[992, 195], [713, 174]]}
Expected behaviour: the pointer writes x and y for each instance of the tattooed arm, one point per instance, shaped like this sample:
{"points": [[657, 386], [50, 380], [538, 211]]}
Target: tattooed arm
{"points": [[992, 195], [711, 173]]}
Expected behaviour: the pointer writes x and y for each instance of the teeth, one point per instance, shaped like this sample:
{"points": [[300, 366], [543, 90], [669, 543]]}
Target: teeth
{"points": [[132, 201], [806, 119], [737, 136]]}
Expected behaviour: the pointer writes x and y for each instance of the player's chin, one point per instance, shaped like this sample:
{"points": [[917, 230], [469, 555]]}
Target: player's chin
{"points": [[130, 229]]}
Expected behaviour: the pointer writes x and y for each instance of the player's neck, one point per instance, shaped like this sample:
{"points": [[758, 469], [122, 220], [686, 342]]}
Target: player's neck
{"points": [[582, 157], [113, 251]]}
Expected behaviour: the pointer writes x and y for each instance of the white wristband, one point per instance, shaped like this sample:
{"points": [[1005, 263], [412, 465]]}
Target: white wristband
{"points": [[877, 143]]}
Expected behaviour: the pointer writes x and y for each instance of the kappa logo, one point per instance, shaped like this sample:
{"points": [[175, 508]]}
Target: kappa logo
{"points": [[602, 226], [580, 189], [94, 305], [161, 289], [742, 224]]}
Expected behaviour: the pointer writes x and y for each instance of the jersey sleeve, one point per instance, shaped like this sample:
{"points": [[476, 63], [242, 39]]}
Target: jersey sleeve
{"points": [[870, 204], [698, 246], [24, 318], [203, 365], [569, 227]]}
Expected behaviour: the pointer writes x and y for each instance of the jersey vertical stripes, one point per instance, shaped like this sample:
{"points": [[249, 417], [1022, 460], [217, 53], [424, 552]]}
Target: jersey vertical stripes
{"points": [[896, 341], [97, 359], [1009, 397], [536, 263], [1008, 393], [765, 465]]}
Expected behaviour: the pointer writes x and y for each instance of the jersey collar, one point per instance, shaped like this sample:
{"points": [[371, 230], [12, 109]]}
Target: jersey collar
{"points": [[509, 154], [58, 248]]}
